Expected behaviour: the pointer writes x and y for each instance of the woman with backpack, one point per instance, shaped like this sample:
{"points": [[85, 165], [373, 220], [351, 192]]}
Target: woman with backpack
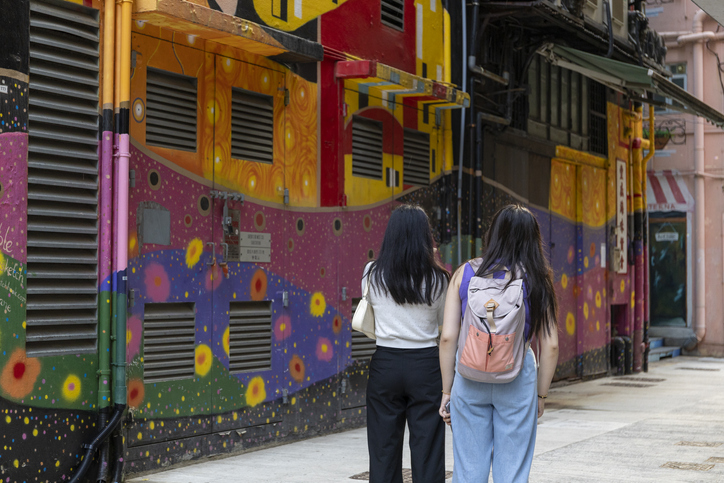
{"points": [[495, 305], [407, 292]]}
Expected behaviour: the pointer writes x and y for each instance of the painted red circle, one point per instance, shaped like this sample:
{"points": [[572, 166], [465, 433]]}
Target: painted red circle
{"points": [[19, 370], [202, 358], [134, 393], [258, 285], [367, 222], [259, 219], [187, 219], [297, 367]]}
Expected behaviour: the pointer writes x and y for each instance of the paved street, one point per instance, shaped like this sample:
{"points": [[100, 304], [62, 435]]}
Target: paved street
{"points": [[663, 426]]}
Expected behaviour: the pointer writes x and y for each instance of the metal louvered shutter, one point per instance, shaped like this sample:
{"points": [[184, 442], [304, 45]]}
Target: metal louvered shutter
{"points": [[62, 255], [170, 110], [393, 13], [169, 341], [366, 148], [416, 166], [252, 126], [250, 333], [362, 346]]}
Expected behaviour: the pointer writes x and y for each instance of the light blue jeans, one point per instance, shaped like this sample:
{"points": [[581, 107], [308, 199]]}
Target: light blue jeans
{"points": [[495, 423]]}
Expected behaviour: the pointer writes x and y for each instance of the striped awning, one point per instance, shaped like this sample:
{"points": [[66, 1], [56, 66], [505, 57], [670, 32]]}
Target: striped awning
{"points": [[667, 191]]}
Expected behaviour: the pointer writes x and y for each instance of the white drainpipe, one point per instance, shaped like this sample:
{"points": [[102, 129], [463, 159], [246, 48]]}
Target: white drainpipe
{"points": [[699, 186]]}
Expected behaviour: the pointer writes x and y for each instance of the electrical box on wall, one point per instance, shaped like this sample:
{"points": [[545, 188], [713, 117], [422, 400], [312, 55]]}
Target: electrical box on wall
{"points": [[595, 12]]}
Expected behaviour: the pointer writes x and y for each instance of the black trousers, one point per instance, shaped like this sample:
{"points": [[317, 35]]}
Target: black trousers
{"points": [[405, 385]]}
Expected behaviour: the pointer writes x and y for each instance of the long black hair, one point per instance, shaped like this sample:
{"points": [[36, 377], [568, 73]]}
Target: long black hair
{"points": [[406, 262], [514, 240]]}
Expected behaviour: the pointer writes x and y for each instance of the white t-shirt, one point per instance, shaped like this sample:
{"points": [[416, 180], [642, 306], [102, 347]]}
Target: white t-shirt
{"points": [[406, 326]]}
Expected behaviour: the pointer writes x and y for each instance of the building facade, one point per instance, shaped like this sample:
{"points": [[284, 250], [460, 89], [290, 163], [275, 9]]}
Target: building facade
{"points": [[693, 152]]}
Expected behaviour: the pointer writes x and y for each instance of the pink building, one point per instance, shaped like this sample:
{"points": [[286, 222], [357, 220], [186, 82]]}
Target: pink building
{"points": [[686, 182]]}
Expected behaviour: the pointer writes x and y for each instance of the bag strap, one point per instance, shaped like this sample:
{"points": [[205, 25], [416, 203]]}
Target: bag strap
{"points": [[367, 288]]}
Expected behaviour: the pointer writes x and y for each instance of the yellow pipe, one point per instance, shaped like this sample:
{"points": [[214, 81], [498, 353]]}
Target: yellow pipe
{"points": [[125, 53], [109, 21], [117, 65], [649, 155]]}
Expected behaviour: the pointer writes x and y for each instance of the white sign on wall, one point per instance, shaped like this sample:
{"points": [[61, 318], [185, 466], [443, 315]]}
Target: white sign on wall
{"points": [[621, 250]]}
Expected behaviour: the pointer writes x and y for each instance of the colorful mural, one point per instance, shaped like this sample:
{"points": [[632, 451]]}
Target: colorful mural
{"points": [[313, 225]]}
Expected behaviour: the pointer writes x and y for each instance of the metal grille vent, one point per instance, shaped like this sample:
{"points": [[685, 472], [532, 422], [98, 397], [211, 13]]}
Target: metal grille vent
{"points": [[416, 166], [362, 346], [250, 332], [62, 255], [366, 148], [170, 110], [393, 13], [169, 341], [252, 126]]}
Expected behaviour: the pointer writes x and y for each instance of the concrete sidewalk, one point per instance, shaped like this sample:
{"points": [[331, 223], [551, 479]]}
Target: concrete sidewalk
{"points": [[663, 426]]}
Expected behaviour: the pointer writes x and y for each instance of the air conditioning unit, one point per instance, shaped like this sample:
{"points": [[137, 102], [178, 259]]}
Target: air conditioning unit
{"points": [[595, 12]]}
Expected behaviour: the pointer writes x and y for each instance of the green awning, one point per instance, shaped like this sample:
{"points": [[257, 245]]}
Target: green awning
{"points": [[630, 79]]}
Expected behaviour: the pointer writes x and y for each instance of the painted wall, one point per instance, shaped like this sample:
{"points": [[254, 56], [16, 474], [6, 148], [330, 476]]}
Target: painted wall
{"points": [[319, 243], [679, 155]]}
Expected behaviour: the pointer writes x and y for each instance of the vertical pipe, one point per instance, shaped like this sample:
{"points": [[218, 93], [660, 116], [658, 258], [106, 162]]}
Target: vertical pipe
{"points": [[461, 157], [699, 187], [105, 227], [472, 138], [638, 242], [119, 379]]}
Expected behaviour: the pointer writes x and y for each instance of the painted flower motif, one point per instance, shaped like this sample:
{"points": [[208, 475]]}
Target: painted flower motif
{"points": [[158, 286], [203, 359], [282, 328], [255, 393], [585, 310], [132, 245], [296, 368], [136, 392], [337, 324], [193, 252], [633, 298], [19, 374], [258, 285], [564, 281], [598, 299], [134, 334], [325, 351], [225, 340], [570, 324], [571, 253], [214, 276], [71, 388], [317, 304]]}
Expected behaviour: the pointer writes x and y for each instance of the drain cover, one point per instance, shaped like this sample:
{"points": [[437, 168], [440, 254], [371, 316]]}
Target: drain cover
{"points": [[715, 459], [687, 466], [701, 444], [627, 384], [406, 475], [644, 379], [710, 369]]}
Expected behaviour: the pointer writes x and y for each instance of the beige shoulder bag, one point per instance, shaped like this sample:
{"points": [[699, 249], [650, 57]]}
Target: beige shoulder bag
{"points": [[364, 317]]}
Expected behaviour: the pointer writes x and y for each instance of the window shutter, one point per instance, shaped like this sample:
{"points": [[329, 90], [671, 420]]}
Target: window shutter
{"points": [[250, 333], [366, 148], [393, 13], [62, 278], [170, 110], [169, 341], [416, 166], [252, 126]]}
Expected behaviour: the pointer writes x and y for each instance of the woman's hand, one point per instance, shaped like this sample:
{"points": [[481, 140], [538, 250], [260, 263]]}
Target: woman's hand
{"points": [[541, 406], [443, 413]]}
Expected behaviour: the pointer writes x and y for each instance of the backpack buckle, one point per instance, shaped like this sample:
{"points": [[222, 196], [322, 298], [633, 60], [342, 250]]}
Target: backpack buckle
{"points": [[491, 304]]}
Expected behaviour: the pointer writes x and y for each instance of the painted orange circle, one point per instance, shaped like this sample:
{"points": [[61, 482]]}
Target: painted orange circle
{"points": [[367, 223], [259, 221], [296, 368], [258, 285], [290, 245], [337, 324]]}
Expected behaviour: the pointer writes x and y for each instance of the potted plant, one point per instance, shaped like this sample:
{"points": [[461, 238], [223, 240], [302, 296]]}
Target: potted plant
{"points": [[661, 137]]}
